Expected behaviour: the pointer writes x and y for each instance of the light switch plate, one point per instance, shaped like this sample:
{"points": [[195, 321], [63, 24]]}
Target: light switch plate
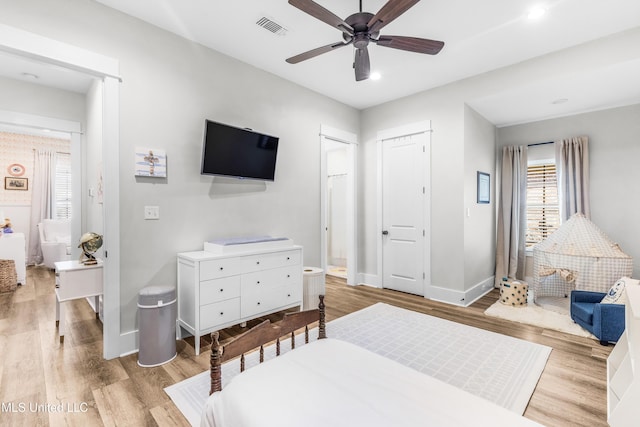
{"points": [[152, 212]]}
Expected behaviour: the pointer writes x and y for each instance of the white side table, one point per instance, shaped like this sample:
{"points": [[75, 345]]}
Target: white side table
{"points": [[75, 280], [12, 246]]}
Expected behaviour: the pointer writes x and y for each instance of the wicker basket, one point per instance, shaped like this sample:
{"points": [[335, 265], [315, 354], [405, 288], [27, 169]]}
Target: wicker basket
{"points": [[8, 275]]}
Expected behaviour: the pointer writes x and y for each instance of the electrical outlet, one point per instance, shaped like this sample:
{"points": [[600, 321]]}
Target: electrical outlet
{"points": [[152, 212]]}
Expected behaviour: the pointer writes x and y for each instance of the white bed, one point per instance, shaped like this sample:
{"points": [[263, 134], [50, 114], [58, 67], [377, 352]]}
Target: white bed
{"points": [[332, 383]]}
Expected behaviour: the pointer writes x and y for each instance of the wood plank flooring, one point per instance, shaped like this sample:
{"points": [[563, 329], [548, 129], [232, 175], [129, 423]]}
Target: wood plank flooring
{"points": [[38, 373]]}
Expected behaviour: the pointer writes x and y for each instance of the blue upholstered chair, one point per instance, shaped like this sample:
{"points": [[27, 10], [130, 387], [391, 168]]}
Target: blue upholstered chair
{"points": [[605, 321]]}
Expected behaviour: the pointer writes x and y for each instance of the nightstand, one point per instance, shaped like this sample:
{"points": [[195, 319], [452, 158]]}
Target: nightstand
{"points": [[75, 280]]}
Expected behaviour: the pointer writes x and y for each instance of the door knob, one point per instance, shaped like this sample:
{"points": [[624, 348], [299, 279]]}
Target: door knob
{"points": [[385, 232]]}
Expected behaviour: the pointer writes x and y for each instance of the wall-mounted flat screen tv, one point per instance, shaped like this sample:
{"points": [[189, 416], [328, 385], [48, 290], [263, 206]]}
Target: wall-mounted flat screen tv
{"points": [[239, 153]]}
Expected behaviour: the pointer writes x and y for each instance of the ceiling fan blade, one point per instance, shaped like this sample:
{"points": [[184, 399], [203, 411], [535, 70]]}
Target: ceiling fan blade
{"points": [[319, 12], [317, 51], [390, 11], [361, 64], [412, 44]]}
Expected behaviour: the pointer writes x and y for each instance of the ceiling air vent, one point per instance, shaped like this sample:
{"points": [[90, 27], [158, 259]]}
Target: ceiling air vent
{"points": [[272, 26]]}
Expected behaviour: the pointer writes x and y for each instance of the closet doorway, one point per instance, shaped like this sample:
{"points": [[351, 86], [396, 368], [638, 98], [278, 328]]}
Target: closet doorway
{"points": [[338, 204]]}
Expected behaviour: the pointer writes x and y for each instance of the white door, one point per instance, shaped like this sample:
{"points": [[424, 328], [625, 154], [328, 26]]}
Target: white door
{"points": [[403, 213]]}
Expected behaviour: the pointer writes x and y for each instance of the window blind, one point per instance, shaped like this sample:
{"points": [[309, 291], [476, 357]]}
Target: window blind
{"points": [[543, 213], [63, 186]]}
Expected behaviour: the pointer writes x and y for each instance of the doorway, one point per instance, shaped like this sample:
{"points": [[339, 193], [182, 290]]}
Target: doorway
{"points": [[404, 196], [48, 52], [336, 229], [338, 207]]}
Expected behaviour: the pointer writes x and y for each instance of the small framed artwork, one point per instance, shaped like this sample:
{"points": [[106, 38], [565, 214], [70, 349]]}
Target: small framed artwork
{"points": [[15, 169], [484, 187], [151, 162], [13, 183]]}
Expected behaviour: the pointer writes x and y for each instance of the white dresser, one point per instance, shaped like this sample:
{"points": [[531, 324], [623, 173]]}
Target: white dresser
{"points": [[13, 246], [623, 368], [216, 291]]}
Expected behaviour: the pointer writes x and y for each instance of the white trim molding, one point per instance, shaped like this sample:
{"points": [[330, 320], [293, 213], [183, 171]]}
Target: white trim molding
{"points": [[461, 298], [43, 49]]}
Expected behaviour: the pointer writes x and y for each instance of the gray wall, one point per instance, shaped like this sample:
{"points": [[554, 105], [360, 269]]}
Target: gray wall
{"points": [[460, 245], [479, 223], [170, 86], [29, 98], [446, 110], [614, 153], [462, 143]]}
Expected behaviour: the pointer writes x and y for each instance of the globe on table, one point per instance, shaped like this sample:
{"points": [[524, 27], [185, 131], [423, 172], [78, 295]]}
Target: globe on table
{"points": [[89, 243]]}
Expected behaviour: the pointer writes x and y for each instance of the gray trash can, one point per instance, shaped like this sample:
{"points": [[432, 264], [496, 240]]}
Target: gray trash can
{"points": [[157, 322]]}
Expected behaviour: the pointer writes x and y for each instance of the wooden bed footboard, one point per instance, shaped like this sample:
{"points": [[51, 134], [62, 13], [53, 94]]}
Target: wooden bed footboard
{"points": [[260, 335]]}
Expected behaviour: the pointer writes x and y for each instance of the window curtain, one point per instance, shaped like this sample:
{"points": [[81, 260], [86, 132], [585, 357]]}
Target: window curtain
{"points": [[572, 164], [512, 218], [42, 200]]}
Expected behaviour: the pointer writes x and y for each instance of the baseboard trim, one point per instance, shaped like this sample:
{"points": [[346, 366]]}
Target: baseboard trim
{"points": [[461, 298], [129, 343], [369, 280]]}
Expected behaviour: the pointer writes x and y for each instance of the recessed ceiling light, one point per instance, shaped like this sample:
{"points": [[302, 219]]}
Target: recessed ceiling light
{"points": [[30, 76], [536, 12], [559, 101], [375, 76]]}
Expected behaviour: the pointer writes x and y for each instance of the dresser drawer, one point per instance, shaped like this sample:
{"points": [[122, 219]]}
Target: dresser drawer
{"points": [[270, 299], [219, 313], [219, 289], [216, 268], [271, 260], [268, 279]]}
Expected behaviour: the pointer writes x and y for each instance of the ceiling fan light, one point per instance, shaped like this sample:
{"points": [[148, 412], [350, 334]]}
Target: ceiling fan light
{"points": [[375, 75]]}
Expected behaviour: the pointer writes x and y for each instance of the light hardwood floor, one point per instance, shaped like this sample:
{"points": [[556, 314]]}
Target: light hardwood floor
{"points": [[35, 369]]}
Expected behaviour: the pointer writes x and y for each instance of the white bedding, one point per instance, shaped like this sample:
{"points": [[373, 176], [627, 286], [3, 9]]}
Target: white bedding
{"points": [[332, 383]]}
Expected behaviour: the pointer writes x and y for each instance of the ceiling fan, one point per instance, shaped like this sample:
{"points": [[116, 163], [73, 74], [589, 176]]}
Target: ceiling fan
{"points": [[362, 28]]}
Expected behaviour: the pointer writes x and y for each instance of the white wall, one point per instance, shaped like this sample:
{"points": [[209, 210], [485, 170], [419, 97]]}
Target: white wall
{"points": [[170, 86], [614, 152]]}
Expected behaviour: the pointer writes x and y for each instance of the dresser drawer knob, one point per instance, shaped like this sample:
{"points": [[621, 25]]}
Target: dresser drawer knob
{"points": [[222, 313], [258, 282], [288, 258], [288, 275], [221, 290], [288, 295], [258, 262], [258, 302], [221, 268]]}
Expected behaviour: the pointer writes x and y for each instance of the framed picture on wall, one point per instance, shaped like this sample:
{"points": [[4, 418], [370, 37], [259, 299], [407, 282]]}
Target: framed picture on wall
{"points": [[484, 187], [13, 183], [151, 162]]}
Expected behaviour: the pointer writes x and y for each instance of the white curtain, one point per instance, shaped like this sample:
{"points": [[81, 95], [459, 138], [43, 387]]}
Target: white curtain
{"points": [[572, 165], [512, 218], [42, 200]]}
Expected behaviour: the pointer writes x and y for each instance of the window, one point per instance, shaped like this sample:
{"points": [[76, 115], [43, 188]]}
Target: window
{"points": [[63, 186], [543, 213]]}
